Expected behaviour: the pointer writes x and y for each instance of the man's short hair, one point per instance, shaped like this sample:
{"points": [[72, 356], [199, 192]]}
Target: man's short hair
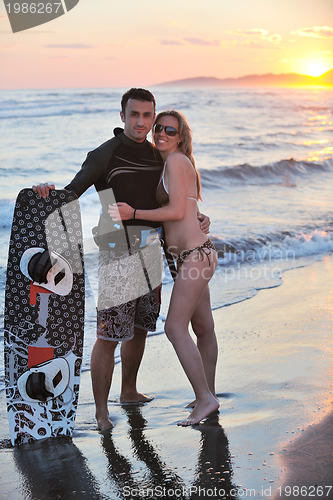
{"points": [[139, 95]]}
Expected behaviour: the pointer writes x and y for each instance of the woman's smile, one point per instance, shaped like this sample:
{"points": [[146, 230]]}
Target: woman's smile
{"points": [[163, 141]]}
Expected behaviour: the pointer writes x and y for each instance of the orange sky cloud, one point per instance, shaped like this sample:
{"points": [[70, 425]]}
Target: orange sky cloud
{"points": [[114, 44], [317, 32], [251, 32]]}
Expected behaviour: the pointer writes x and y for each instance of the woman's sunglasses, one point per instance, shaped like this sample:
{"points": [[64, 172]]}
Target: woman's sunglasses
{"points": [[170, 131]]}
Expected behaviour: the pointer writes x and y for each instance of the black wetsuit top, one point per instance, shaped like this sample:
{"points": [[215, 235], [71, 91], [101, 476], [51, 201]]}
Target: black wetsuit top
{"points": [[132, 170]]}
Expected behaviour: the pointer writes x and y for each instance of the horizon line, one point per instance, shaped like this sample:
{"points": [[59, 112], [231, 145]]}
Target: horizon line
{"points": [[264, 85]]}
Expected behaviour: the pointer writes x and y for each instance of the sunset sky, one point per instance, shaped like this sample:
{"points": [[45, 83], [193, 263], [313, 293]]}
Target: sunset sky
{"points": [[106, 43]]}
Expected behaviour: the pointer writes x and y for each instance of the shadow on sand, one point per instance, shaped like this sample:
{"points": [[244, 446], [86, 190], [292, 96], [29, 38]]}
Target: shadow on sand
{"points": [[55, 469], [213, 470]]}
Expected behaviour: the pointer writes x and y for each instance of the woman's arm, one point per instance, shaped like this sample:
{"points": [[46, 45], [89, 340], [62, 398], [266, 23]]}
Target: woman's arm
{"points": [[174, 210]]}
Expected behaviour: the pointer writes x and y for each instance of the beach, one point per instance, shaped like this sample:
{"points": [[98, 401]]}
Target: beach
{"points": [[265, 160], [272, 437]]}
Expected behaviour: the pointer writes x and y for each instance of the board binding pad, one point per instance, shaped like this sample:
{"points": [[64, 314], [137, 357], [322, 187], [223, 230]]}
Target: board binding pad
{"points": [[44, 316]]}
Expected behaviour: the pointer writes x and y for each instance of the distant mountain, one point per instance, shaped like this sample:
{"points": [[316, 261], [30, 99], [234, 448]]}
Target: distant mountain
{"points": [[268, 80]]}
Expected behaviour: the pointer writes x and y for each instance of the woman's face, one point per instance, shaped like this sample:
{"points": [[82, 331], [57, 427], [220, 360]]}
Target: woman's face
{"points": [[166, 143]]}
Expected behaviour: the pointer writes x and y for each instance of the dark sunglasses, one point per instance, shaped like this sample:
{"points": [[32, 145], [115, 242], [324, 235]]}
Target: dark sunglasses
{"points": [[170, 131]]}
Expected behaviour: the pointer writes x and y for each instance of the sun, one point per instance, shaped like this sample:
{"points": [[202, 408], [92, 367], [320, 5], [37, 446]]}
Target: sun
{"points": [[314, 68]]}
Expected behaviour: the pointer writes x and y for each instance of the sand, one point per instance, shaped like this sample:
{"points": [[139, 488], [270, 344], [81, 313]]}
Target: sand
{"points": [[273, 432]]}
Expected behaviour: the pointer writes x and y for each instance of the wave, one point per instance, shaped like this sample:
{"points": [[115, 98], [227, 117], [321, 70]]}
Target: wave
{"points": [[43, 112], [281, 172], [273, 247], [306, 240], [58, 104], [6, 213]]}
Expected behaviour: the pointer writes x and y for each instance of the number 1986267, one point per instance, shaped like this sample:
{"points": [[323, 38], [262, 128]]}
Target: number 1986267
{"points": [[33, 8], [305, 491]]}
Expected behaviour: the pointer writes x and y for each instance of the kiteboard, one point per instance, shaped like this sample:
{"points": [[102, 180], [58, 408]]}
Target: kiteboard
{"points": [[44, 316]]}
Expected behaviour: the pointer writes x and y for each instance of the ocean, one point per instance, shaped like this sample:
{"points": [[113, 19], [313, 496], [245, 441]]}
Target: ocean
{"points": [[266, 162]]}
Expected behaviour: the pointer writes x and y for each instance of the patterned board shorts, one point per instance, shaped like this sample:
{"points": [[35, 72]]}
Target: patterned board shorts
{"points": [[129, 292]]}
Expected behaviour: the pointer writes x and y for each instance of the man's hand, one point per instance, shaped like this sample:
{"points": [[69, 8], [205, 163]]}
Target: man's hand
{"points": [[204, 223], [43, 189]]}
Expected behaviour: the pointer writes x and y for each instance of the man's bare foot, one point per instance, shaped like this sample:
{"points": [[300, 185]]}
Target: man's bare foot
{"points": [[201, 410], [136, 397], [104, 423]]}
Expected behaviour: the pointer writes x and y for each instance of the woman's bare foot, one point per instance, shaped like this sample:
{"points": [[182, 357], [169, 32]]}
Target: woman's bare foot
{"points": [[202, 409], [194, 402], [135, 397]]}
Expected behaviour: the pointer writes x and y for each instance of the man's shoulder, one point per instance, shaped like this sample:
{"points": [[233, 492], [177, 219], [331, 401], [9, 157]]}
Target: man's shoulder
{"points": [[107, 146], [105, 150]]}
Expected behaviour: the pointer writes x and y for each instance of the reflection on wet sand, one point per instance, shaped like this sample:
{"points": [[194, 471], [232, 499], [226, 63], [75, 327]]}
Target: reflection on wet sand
{"points": [[213, 469], [158, 474], [55, 469], [214, 462]]}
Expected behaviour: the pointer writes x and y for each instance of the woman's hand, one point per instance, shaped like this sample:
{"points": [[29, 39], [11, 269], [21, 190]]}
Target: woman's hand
{"points": [[204, 223], [121, 211]]}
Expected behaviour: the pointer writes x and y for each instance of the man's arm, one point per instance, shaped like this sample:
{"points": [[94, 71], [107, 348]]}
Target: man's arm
{"points": [[92, 168]]}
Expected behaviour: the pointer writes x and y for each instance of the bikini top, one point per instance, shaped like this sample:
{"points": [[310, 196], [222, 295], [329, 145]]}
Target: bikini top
{"points": [[162, 194]]}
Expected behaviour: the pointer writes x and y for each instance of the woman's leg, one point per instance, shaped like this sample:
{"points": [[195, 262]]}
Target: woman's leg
{"points": [[203, 327], [190, 284]]}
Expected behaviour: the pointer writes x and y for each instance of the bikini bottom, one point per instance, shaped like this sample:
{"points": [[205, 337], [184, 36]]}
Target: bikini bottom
{"points": [[203, 250]]}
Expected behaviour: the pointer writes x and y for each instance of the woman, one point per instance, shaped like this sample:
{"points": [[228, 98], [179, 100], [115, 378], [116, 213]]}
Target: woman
{"points": [[177, 193]]}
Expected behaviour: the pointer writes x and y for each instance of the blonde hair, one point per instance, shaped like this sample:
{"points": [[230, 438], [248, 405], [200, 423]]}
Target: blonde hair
{"points": [[185, 146]]}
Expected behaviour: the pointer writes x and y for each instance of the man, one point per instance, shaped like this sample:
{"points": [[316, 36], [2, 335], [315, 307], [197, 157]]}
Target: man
{"points": [[126, 168]]}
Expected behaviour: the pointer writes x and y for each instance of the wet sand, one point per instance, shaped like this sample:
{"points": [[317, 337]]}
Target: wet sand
{"points": [[274, 429]]}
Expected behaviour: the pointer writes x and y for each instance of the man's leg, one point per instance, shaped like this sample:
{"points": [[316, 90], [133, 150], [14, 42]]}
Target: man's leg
{"points": [[147, 308], [102, 365], [131, 356]]}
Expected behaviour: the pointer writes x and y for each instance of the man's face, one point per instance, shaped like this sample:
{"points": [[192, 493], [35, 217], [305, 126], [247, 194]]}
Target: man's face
{"points": [[138, 119]]}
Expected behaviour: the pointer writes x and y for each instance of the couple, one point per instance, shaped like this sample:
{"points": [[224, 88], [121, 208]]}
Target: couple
{"points": [[150, 187]]}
